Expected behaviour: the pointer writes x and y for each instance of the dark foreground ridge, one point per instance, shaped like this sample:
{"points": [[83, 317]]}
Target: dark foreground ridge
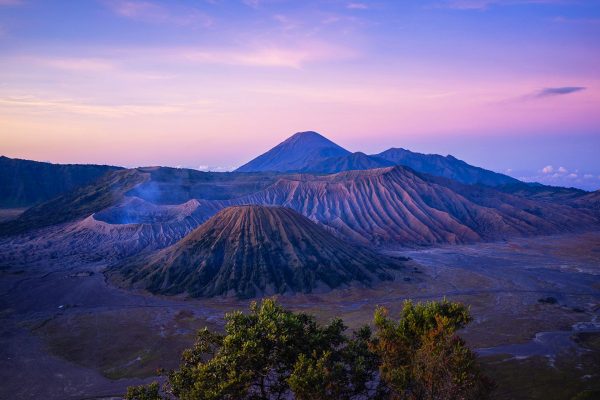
{"points": [[252, 250]]}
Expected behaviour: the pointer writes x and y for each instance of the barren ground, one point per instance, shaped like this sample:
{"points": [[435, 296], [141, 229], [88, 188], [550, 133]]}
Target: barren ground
{"points": [[67, 334]]}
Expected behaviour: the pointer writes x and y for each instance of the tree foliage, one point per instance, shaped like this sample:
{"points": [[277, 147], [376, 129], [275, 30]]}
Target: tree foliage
{"points": [[273, 353], [421, 357]]}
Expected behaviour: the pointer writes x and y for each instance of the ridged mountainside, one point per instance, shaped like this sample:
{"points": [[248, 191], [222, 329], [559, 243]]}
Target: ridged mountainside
{"points": [[397, 206], [252, 250]]}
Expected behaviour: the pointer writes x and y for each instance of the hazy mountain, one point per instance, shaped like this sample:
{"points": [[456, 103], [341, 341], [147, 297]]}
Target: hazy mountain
{"points": [[295, 153], [448, 167], [24, 183], [538, 191], [313, 153], [350, 162], [252, 250]]}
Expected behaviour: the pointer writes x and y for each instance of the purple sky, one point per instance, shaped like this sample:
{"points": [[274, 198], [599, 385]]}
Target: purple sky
{"points": [[509, 85]]}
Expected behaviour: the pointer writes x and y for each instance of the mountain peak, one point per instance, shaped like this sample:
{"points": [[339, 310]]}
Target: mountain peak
{"points": [[295, 153], [309, 138], [306, 134]]}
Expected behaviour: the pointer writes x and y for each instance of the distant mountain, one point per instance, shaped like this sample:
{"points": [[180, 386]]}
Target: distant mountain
{"points": [[538, 191], [295, 153], [311, 152], [253, 250], [24, 183], [350, 162], [447, 167]]}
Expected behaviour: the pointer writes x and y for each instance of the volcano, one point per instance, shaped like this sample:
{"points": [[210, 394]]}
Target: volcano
{"points": [[295, 153], [252, 250]]}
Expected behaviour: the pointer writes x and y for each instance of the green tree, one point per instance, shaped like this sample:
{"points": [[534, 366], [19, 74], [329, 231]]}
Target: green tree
{"points": [[261, 353], [422, 357], [274, 353], [149, 392], [343, 372]]}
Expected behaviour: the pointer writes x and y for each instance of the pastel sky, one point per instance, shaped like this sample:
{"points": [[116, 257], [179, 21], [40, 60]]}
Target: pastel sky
{"points": [[509, 85]]}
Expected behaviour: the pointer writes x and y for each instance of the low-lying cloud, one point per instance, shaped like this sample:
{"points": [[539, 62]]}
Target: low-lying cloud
{"points": [[560, 176]]}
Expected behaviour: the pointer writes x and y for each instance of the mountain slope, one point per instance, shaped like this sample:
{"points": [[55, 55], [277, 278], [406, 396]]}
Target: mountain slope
{"points": [[589, 201], [251, 250], [447, 167], [350, 162], [295, 153], [79, 203], [395, 206], [24, 183]]}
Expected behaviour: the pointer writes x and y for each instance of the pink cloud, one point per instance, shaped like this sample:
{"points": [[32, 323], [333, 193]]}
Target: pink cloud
{"points": [[71, 106], [147, 11], [75, 64], [548, 169], [268, 55]]}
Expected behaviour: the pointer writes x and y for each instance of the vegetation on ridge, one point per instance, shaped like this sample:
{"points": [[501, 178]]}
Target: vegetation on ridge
{"points": [[274, 353]]}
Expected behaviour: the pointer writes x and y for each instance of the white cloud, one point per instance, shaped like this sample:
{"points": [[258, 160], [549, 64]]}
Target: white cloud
{"points": [[572, 176], [562, 170], [548, 169], [208, 168]]}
